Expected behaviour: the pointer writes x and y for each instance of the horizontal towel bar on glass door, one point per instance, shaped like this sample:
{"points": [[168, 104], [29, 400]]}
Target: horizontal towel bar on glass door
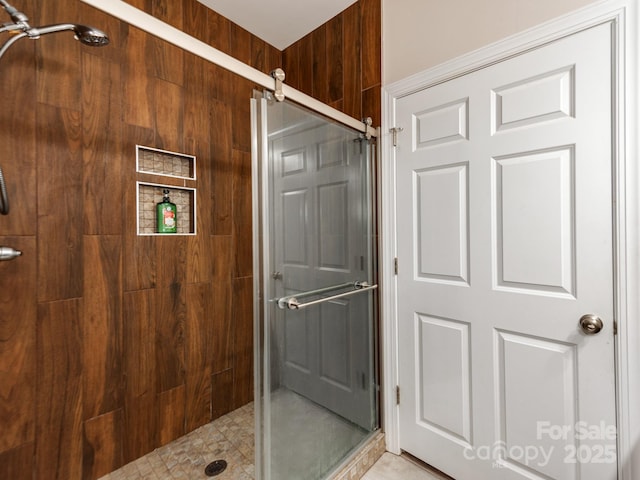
{"points": [[291, 302]]}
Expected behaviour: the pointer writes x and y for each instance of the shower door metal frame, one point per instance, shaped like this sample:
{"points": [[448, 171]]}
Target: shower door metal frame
{"points": [[263, 275]]}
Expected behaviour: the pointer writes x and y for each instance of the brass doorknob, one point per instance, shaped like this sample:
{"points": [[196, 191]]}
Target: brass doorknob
{"points": [[591, 324]]}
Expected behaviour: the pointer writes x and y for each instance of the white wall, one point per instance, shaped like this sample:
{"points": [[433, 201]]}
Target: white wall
{"points": [[419, 34]]}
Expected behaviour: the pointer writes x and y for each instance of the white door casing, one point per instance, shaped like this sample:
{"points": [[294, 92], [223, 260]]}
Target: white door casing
{"points": [[624, 16], [504, 204]]}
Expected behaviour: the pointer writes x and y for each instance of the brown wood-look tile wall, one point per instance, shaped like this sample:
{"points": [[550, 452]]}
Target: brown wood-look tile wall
{"points": [[340, 62], [112, 344]]}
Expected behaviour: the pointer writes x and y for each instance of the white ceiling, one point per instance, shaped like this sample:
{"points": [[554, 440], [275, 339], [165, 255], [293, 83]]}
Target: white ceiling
{"points": [[278, 22]]}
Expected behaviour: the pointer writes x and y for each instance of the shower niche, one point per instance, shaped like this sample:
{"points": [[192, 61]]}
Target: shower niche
{"points": [[160, 170]]}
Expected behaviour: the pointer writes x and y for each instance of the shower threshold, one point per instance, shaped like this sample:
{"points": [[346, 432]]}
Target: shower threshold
{"points": [[229, 438]]}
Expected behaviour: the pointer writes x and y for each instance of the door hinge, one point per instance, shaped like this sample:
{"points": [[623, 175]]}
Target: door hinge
{"points": [[395, 265], [615, 327], [397, 394], [394, 134]]}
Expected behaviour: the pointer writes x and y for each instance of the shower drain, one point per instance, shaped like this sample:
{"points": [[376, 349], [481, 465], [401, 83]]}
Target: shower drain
{"points": [[215, 468]]}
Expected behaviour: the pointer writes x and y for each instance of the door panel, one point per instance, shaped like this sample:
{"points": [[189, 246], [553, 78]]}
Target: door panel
{"points": [[504, 241], [442, 210], [535, 247], [445, 376]]}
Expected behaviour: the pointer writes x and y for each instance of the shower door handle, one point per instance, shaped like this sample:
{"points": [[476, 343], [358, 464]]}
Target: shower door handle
{"points": [[291, 302]]}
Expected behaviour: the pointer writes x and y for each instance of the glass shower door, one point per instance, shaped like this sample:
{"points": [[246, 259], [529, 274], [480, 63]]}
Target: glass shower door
{"points": [[315, 283]]}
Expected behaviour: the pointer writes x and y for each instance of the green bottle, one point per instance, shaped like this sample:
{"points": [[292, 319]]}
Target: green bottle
{"points": [[166, 213]]}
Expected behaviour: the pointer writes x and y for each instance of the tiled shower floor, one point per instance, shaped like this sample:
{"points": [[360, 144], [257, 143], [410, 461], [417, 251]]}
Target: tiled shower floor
{"points": [[229, 437], [302, 454]]}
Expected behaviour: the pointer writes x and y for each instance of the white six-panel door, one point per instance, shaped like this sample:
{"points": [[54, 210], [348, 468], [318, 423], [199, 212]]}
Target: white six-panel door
{"points": [[504, 208]]}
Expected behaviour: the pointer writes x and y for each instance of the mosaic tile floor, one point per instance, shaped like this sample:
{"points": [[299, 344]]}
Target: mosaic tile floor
{"points": [[298, 455], [229, 437]]}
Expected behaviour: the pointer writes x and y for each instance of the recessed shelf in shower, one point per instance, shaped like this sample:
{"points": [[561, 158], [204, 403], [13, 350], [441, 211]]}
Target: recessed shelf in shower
{"points": [[162, 162], [150, 194], [159, 170]]}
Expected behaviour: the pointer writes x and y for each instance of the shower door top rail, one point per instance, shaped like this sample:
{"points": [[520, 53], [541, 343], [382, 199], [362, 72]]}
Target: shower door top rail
{"points": [[291, 302]]}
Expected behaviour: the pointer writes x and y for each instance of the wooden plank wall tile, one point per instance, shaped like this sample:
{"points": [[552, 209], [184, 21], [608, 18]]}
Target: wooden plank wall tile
{"points": [[139, 320], [139, 258], [17, 464], [144, 5], [199, 259], [305, 64], [258, 53], [171, 313], [273, 59], [221, 169], [335, 60], [18, 316], [219, 32], [221, 307], [140, 426], [101, 142], [138, 96], [370, 11], [171, 414], [197, 399], [221, 393], [194, 20], [320, 70], [242, 225], [242, 308], [58, 58], [59, 435], [167, 63], [171, 266], [199, 331], [372, 104], [169, 115], [60, 206], [352, 62], [290, 65], [102, 445], [241, 115], [139, 252], [219, 36], [168, 60], [168, 11], [240, 43], [102, 335], [346, 61]]}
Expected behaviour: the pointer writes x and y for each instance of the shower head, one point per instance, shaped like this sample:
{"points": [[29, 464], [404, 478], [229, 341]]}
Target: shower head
{"points": [[21, 28], [85, 34]]}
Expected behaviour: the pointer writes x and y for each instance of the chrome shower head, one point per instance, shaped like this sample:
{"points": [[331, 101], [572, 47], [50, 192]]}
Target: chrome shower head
{"points": [[91, 36], [85, 34]]}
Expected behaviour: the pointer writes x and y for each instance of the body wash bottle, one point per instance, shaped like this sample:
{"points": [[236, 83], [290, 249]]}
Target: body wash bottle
{"points": [[166, 213]]}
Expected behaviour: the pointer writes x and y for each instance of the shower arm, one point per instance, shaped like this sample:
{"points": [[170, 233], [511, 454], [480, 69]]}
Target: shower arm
{"points": [[11, 41]]}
